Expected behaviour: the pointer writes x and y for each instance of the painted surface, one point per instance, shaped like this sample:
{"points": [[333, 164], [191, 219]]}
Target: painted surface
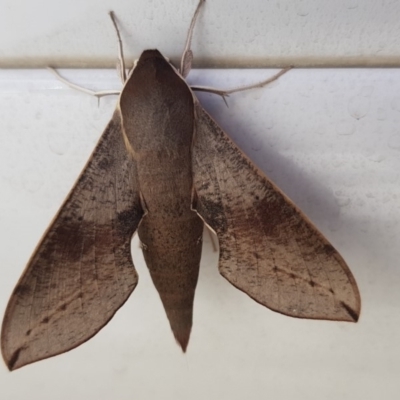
{"points": [[230, 33], [329, 138]]}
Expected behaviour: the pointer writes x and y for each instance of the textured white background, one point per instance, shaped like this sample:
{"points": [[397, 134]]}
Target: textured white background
{"points": [[329, 138], [230, 33]]}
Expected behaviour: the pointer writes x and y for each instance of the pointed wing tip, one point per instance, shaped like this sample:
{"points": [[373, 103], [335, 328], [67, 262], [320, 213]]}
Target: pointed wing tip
{"points": [[15, 357], [353, 315], [13, 361], [12, 367]]}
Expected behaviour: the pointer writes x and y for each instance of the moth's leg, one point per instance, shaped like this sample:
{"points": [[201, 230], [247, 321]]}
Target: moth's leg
{"points": [[82, 89], [224, 93], [187, 56], [121, 66]]}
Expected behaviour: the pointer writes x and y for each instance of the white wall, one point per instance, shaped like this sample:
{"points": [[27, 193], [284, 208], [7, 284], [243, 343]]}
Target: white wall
{"points": [[230, 33], [330, 138]]}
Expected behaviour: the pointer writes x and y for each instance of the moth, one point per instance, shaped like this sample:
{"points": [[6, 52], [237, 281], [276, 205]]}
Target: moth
{"points": [[164, 168]]}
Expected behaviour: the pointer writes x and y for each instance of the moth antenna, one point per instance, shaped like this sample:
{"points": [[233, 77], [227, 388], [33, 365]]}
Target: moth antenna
{"points": [[187, 56], [121, 68]]}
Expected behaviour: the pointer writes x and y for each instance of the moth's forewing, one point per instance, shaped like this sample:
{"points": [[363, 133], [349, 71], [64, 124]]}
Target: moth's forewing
{"points": [[81, 272]]}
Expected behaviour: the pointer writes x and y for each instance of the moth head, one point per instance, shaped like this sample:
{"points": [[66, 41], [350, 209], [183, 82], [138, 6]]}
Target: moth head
{"points": [[148, 57]]}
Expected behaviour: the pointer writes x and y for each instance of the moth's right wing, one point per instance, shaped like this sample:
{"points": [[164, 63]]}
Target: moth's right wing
{"points": [[268, 247], [81, 273]]}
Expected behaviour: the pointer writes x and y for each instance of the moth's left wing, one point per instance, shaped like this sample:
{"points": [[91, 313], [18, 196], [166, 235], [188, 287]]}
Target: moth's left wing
{"points": [[268, 247], [81, 272]]}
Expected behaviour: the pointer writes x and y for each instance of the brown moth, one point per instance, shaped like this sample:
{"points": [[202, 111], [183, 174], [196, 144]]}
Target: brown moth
{"points": [[164, 168]]}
